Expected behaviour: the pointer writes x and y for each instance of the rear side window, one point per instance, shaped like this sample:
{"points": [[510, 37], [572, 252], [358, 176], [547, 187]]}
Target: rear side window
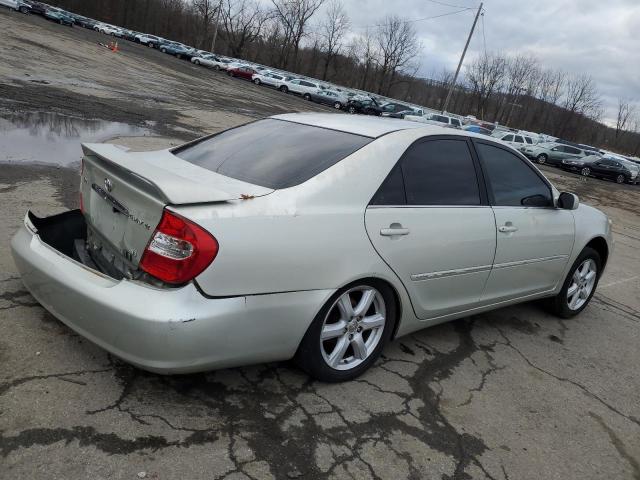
{"points": [[455, 121], [512, 181], [528, 140], [440, 172], [508, 138], [272, 153]]}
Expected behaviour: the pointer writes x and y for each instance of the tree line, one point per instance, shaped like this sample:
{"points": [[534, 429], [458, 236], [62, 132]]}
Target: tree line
{"points": [[315, 38]]}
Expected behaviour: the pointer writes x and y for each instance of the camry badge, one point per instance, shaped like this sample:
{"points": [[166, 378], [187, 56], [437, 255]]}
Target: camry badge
{"points": [[108, 185]]}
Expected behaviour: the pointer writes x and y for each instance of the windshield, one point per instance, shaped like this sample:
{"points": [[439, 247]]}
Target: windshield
{"points": [[272, 153]]}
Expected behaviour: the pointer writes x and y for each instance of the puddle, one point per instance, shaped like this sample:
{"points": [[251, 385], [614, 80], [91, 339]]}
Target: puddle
{"points": [[54, 139]]}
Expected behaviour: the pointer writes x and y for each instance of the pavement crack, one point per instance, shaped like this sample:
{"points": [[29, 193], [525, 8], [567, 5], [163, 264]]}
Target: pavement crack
{"points": [[618, 445]]}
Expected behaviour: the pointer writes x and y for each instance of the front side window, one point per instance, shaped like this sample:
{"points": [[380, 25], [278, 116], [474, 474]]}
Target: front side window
{"points": [[518, 139], [528, 140], [508, 138], [455, 121], [272, 153], [511, 180], [440, 172]]}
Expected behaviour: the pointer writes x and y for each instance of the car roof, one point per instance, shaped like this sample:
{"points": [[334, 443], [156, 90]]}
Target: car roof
{"points": [[357, 124]]}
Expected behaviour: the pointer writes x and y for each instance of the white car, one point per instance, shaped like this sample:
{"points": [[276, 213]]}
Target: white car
{"points": [[518, 141], [300, 86], [148, 40], [271, 79], [319, 237], [106, 29], [209, 60], [436, 118], [17, 5]]}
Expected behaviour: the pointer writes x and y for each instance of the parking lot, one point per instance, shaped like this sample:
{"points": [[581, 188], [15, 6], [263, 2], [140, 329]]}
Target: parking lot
{"points": [[511, 394]]}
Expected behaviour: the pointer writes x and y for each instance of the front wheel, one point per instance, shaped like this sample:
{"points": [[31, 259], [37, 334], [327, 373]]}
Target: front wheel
{"points": [[542, 159], [579, 286], [307, 97], [217, 67], [284, 89], [352, 109], [337, 105], [256, 81], [620, 179], [197, 62], [24, 10], [349, 332], [163, 50], [585, 172]]}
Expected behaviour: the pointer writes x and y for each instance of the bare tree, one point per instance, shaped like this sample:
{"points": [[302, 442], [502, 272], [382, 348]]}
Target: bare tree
{"points": [[398, 45], [485, 76], [332, 31], [242, 22], [206, 10], [294, 16], [625, 112], [581, 99]]}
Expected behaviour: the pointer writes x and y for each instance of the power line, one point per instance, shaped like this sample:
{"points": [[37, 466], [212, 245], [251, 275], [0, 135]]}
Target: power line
{"points": [[437, 2], [466, 9]]}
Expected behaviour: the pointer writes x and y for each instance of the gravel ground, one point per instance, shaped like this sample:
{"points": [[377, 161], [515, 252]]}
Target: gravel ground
{"points": [[511, 394]]}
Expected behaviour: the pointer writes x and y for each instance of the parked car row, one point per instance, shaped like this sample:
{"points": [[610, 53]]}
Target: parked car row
{"points": [[543, 149]]}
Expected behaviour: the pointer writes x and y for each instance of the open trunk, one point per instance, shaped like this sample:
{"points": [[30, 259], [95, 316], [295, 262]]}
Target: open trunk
{"points": [[123, 195]]}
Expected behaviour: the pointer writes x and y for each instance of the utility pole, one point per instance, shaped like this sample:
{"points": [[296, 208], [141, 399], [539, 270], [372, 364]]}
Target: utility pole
{"points": [[455, 77], [215, 28]]}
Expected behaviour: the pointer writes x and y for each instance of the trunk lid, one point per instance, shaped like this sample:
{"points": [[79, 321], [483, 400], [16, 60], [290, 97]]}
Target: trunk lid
{"points": [[124, 194]]}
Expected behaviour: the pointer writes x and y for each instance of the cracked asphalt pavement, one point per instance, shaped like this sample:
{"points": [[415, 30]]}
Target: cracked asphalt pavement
{"points": [[511, 394]]}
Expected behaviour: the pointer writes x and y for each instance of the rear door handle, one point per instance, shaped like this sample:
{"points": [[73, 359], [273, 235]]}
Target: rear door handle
{"points": [[393, 230], [507, 229]]}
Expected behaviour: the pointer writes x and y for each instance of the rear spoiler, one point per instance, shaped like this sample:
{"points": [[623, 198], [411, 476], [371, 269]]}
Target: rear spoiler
{"points": [[170, 178]]}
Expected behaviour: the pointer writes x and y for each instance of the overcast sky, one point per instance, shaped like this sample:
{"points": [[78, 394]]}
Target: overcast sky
{"points": [[597, 37]]}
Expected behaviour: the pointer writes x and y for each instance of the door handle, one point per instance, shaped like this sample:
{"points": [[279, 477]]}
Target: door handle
{"points": [[393, 230], [507, 229]]}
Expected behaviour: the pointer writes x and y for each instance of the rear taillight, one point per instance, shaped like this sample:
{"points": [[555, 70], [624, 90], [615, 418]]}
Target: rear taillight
{"points": [[179, 250]]}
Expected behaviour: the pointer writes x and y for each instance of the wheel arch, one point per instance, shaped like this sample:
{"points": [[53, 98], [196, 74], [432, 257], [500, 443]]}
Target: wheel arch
{"points": [[600, 245]]}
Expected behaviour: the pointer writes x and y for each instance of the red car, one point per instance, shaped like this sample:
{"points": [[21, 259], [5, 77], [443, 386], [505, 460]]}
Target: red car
{"points": [[242, 72]]}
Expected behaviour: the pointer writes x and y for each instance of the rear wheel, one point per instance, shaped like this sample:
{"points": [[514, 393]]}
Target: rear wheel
{"points": [[349, 332], [217, 67], [163, 50], [337, 105], [542, 158], [620, 179], [284, 89], [585, 172], [256, 81], [307, 97], [579, 286], [24, 10], [196, 61], [352, 109]]}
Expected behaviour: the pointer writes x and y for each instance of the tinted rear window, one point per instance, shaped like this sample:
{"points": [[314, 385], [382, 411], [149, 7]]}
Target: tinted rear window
{"points": [[272, 153]]}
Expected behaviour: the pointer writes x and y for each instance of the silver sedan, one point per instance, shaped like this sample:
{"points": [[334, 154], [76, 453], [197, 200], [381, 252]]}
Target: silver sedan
{"points": [[319, 237]]}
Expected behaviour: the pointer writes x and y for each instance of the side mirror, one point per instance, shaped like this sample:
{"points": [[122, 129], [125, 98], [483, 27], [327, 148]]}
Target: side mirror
{"points": [[568, 201]]}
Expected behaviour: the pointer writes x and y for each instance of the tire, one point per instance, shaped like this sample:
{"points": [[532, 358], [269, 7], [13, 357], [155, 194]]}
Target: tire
{"points": [[542, 158], [337, 106], [217, 67], [197, 62], [178, 56], [231, 74], [256, 81], [315, 355], [352, 110], [150, 45], [284, 89], [560, 304], [24, 10], [163, 50], [620, 179], [585, 172], [307, 97]]}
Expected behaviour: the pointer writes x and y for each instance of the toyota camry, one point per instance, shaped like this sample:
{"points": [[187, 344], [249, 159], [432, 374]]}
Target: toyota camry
{"points": [[318, 237]]}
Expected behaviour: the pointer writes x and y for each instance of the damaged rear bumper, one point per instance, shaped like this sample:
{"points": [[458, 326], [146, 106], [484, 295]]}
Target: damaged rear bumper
{"points": [[174, 330]]}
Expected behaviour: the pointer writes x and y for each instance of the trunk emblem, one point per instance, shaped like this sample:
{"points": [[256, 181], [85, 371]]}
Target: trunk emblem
{"points": [[108, 185]]}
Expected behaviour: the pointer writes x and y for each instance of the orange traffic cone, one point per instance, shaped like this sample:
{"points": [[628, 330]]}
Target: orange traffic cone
{"points": [[114, 47]]}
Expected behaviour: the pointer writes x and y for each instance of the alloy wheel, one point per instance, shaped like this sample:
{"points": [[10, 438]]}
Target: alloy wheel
{"points": [[352, 110], [257, 81], [353, 327], [542, 159], [582, 283], [585, 171], [337, 105], [620, 179]]}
